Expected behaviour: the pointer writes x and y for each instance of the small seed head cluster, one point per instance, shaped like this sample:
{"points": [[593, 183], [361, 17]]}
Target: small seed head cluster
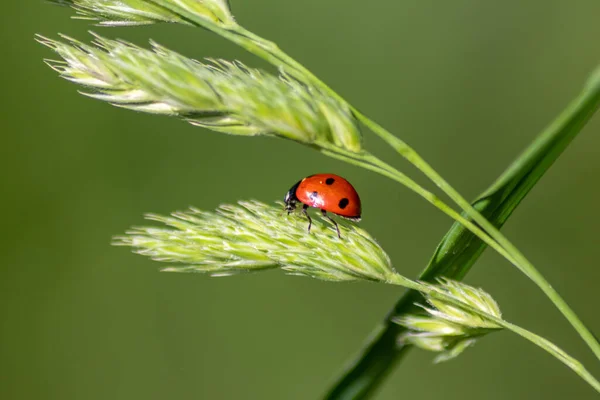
{"points": [[252, 236], [446, 328], [144, 12], [219, 95]]}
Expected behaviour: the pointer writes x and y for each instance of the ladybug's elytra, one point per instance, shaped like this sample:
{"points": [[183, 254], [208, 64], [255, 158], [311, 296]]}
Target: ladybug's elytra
{"points": [[328, 192]]}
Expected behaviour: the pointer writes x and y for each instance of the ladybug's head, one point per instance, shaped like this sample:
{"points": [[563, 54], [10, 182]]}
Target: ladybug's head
{"points": [[290, 198]]}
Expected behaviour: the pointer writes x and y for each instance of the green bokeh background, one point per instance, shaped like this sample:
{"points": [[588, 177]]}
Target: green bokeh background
{"points": [[467, 83]]}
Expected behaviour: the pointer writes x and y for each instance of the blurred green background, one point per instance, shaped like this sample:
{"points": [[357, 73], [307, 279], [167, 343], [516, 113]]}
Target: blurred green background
{"points": [[468, 83]]}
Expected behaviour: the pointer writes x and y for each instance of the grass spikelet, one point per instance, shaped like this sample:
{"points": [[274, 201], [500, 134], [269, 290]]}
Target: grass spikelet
{"points": [[252, 236]]}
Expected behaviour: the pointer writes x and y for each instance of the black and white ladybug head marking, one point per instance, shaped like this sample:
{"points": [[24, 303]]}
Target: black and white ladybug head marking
{"points": [[290, 198]]}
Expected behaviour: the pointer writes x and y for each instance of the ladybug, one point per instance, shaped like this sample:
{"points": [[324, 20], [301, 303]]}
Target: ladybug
{"points": [[328, 192]]}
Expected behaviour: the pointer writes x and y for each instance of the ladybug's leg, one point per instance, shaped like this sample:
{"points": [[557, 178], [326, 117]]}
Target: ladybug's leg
{"points": [[304, 208], [332, 221]]}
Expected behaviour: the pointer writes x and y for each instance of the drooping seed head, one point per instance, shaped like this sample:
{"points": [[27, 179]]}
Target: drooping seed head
{"points": [[219, 95]]}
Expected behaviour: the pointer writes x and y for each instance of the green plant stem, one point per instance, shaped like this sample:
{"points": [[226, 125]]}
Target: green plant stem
{"points": [[271, 53], [539, 341]]}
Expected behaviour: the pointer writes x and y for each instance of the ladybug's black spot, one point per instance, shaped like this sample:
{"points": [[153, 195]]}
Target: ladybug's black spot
{"points": [[329, 181], [343, 203], [314, 195]]}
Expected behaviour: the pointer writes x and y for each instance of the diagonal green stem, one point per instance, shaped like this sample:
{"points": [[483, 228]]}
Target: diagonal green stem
{"points": [[551, 348]]}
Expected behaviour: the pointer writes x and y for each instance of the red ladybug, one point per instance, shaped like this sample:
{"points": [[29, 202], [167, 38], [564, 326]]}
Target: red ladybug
{"points": [[328, 192]]}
